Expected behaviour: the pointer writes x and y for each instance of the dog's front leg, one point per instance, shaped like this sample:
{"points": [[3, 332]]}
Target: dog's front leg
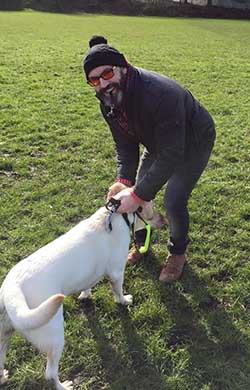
{"points": [[116, 284]]}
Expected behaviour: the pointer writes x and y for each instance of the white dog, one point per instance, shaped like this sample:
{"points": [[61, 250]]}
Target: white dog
{"points": [[32, 293]]}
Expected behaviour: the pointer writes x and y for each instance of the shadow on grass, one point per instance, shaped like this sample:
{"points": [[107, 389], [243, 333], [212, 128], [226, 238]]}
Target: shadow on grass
{"points": [[137, 373], [219, 352]]}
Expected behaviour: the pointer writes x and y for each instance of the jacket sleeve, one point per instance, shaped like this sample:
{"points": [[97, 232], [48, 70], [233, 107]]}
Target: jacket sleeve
{"points": [[127, 151], [169, 133]]}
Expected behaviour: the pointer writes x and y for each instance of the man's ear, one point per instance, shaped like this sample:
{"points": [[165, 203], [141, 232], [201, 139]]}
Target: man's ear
{"points": [[124, 70]]}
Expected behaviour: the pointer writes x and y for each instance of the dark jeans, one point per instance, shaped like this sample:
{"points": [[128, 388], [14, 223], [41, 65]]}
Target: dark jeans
{"points": [[178, 190]]}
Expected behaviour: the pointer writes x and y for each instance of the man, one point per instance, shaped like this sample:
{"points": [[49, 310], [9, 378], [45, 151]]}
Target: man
{"points": [[143, 107]]}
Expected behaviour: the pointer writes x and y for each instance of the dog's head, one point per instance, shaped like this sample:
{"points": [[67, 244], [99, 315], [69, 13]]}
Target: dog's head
{"points": [[156, 220]]}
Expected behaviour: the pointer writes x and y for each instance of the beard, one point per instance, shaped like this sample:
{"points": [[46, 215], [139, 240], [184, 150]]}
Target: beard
{"points": [[114, 93]]}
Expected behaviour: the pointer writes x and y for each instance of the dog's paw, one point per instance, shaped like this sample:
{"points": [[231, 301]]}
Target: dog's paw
{"points": [[67, 385], [4, 377], [127, 299], [85, 294]]}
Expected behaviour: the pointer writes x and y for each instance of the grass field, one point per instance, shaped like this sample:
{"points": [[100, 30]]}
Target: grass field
{"points": [[57, 161]]}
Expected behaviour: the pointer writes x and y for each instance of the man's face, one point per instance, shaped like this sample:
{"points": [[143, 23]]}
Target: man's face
{"points": [[111, 90]]}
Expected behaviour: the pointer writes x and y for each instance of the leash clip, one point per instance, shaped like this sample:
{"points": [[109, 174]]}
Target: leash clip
{"points": [[113, 205]]}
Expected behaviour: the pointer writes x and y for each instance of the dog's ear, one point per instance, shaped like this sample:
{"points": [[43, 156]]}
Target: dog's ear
{"points": [[156, 220], [147, 212]]}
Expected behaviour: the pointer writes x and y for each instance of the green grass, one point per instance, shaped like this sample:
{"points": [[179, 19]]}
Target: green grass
{"points": [[57, 161]]}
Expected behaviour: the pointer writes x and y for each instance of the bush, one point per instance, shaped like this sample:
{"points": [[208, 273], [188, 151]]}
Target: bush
{"points": [[11, 5]]}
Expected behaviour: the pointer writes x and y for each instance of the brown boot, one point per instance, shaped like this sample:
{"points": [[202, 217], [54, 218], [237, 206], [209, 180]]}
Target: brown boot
{"points": [[173, 268], [134, 256]]}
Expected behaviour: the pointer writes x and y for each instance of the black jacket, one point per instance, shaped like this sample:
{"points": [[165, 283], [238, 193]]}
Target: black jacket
{"points": [[166, 119]]}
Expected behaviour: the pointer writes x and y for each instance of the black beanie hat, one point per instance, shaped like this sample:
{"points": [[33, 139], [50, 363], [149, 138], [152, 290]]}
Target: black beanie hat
{"points": [[100, 53]]}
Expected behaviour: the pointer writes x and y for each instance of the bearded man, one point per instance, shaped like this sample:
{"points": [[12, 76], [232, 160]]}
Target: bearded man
{"points": [[177, 132]]}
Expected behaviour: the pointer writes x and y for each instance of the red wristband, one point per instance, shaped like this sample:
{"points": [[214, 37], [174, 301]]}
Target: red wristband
{"points": [[136, 198], [125, 181]]}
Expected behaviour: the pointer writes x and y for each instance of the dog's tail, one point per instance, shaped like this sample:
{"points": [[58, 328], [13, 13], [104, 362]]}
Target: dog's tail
{"points": [[21, 316]]}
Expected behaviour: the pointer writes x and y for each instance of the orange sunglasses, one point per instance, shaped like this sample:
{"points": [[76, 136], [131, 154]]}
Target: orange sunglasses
{"points": [[107, 74]]}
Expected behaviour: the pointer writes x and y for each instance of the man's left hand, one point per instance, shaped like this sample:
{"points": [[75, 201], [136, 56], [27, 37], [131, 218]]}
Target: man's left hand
{"points": [[128, 203]]}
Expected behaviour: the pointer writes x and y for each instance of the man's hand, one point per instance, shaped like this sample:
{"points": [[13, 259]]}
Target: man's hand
{"points": [[115, 188], [128, 203]]}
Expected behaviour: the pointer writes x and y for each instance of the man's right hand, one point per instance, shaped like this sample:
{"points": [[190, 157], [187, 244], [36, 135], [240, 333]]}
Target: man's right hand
{"points": [[115, 188]]}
